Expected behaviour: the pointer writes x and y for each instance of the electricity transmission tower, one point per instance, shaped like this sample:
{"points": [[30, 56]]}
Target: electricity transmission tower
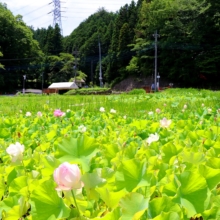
{"points": [[57, 14]]}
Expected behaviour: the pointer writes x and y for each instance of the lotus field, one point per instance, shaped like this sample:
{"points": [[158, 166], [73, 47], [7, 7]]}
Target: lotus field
{"points": [[118, 157]]}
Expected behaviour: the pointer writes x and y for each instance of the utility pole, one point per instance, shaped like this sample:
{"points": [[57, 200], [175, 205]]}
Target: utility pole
{"points": [[75, 53], [100, 65], [42, 86], [92, 72], [155, 73], [24, 78]]}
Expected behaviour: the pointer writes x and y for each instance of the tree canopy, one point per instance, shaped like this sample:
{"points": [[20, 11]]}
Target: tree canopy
{"points": [[188, 45]]}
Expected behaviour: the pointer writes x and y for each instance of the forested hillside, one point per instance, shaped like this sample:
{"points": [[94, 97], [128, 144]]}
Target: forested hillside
{"points": [[188, 45]]}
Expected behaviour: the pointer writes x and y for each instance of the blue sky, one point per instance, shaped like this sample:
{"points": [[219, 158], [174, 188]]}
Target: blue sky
{"points": [[36, 12]]}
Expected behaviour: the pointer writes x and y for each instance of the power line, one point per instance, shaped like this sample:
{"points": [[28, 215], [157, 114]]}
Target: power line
{"points": [[36, 18], [35, 10]]}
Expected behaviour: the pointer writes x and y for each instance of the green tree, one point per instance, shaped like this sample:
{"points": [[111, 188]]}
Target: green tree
{"points": [[1, 66], [50, 39], [57, 40], [18, 47], [85, 38], [119, 53], [179, 43], [61, 68]]}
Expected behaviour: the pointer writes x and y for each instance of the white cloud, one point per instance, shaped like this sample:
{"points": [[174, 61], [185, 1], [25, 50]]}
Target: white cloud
{"points": [[36, 12]]}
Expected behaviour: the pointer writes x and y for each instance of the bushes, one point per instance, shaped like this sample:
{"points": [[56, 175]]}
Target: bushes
{"points": [[137, 92], [89, 91]]}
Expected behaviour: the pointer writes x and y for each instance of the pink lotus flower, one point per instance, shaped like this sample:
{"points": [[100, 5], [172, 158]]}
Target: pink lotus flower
{"points": [[164, 123], [58, 113], [39, 114], [158, 110], [68, 177]]}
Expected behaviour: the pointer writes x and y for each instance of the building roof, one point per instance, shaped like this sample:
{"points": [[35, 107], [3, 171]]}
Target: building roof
{"points": [[63, 85]]}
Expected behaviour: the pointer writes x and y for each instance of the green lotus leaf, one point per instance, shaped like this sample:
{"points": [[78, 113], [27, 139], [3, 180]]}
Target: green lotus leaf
{"points": [[51, 135], [4, 133], [133, 206], [211, 175], [114, 215], [192, 136], [46, 202], [77, 150], [208, 143], [192, 192], [110, 150], [181, 124], [211, 214], [213, 162], [168, 216], [109, 197], [82, 203], [192, 157], [12, 174], [132, 175], [19, 186], [92, 180], [50, 164], [163, 168], [13, 207], [9, 122], [139, 124], [162, 204], [216, 148], [170, 188], [169, 150], [2, 186]]}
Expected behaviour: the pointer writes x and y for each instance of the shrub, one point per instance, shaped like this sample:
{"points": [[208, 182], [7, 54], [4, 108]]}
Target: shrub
{"points": [[89, 91], [137, 92]]}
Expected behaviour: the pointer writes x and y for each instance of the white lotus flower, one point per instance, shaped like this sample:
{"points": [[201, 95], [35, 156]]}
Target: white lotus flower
{"points": [[164, 123], [113, 111], [102, 109], [82, 128], [152, 138], [150, 113], [209, 110], [28, 114], [15, 151]]}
